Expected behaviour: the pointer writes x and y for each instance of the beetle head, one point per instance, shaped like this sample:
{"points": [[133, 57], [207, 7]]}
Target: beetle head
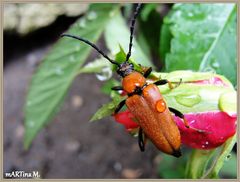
{"points": [[125, 69]]}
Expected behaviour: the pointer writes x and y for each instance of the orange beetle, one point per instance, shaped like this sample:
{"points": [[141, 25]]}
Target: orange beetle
{"points": [[145, 102]]}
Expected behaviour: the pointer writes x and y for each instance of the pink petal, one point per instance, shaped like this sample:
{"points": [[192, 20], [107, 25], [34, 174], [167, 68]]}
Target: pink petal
{"points": [[219, 126], [213, 81], [126, 118]]}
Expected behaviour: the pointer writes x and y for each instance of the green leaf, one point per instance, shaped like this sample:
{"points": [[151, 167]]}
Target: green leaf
{"points": [[58, 69], [106, 88], [165, 40], [168, 169], [206, 164], [204, 38], [221, 158], [107, 109], [117, 33], [229, 169], [121, 57], [150, 27], [96, 66], [228, 102], [195, 97], [197, 163], [146, 10]]}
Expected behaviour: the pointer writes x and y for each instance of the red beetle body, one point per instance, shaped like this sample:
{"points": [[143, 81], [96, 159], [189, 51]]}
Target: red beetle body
{"points": [[152, 114]]}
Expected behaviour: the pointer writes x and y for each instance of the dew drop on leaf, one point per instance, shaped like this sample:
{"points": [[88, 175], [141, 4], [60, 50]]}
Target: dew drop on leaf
{"points": [[209, 69], [31, 124], [77, 48], [190, 14], [209, 17], [178, 13], [71, 59], [105, 74], [59, 71], [82, 23], [188, 100], [229, 156], [214, 64], [29, 103], [112, 13], [92, 15]]}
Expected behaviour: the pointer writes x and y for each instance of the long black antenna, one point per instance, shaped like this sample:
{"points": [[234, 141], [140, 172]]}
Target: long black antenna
{"points": [[132, 29], [92, 45]]}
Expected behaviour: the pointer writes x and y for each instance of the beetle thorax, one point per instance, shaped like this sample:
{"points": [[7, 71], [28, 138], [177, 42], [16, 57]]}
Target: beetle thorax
{"points": [[133, 81]]}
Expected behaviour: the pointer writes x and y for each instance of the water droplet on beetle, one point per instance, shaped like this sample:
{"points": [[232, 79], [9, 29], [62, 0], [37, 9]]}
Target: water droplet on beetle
{"points": [[59, 71], [82, 23], [105, 74], [91, 15], [161, 105], [188, 100]]}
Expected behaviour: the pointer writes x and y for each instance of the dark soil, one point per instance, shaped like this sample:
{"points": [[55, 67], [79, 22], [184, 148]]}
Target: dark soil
{"points": [[70, 146]]}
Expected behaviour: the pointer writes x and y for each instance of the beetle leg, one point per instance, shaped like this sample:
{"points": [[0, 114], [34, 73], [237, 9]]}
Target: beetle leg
{"points": [[117, 88], [164, 81], [119, 107], [141, 143], [180, 115], [148, 72]]}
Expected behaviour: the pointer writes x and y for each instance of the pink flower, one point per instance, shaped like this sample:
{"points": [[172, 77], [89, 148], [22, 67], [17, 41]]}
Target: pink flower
{"points": [[218, 126]]}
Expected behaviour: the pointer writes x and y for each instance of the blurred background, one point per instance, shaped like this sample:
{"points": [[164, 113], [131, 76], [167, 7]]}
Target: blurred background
{"points": [[70, 146]]}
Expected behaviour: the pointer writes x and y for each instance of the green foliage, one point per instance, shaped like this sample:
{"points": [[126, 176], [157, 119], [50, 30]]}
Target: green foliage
{"points": [[221, 158], [117, 33], [229, 169], [198, 165], [168, 169], [150, 24], [204, 38], [54, 76], [96, 66]]}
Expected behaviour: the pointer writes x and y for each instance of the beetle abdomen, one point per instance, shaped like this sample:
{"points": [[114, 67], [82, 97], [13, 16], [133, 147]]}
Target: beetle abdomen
{"points": [[153, 116]]}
